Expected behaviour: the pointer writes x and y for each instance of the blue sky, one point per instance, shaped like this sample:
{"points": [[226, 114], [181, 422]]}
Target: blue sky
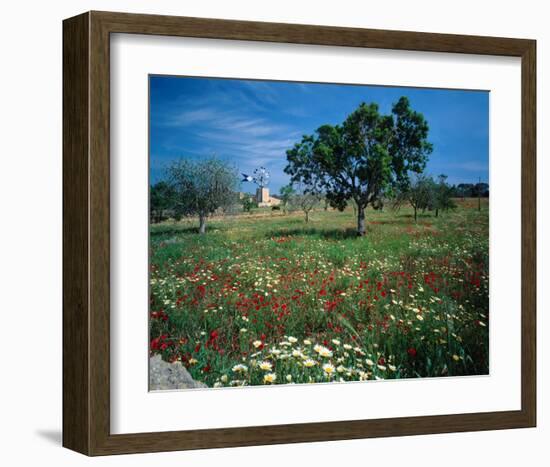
{"points": [[252, 123]]}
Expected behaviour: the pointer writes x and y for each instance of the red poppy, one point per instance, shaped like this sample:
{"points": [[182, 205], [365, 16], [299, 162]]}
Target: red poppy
{"points": [[155, 343]]}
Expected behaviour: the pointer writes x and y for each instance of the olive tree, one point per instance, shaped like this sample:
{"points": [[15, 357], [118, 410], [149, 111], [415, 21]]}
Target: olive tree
{"points": [[443, 200], [306, 199], [420, 194], [202, 186], [286, 193], [423, 193]]}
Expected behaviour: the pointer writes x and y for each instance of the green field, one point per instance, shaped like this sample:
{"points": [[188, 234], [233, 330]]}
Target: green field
{"points": [[266, 298]]}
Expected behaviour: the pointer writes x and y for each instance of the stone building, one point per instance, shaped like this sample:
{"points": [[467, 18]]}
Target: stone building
{"points": [[264, 199]]}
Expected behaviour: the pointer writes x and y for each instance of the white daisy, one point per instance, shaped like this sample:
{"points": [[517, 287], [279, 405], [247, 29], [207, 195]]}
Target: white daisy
{"points": [[266, 366]]}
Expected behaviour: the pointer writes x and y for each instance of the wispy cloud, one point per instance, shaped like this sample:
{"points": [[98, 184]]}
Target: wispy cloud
{"points": [[260, 146], [265, 91], [246, 138], [216, 118]]}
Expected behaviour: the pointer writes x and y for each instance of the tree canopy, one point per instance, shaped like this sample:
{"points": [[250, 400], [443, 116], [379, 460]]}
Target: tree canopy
{"points": [[201, 187], [362, 158], [161, 200]]}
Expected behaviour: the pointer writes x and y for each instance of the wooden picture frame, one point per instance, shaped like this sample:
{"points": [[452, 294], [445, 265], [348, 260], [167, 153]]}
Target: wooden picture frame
{"points": [[86, 230]]}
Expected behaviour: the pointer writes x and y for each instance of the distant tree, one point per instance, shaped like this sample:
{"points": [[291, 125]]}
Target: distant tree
{"points": [[378, 205], [419, 193], [471, 190], [286, 192], [248, 204], [201, 187], [306, 199], [161, 200], [443, 196], [425, 194], [465, 190], [482, 189], [359, 159]]}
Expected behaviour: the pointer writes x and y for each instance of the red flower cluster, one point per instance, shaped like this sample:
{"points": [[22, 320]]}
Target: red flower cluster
{"points": [[212, 341], [159, 315], [161, 343]]}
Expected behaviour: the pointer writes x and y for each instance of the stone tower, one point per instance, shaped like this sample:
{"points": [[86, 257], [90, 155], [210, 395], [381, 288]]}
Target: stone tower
{"points": [[262, 197]]}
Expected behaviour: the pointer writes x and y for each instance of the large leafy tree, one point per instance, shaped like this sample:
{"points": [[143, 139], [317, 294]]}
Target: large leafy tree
{"points": [[201, 187], [364, 157]]}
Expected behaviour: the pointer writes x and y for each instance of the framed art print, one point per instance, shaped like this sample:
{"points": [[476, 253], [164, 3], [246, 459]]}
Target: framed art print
{"points": [[281, 233]]}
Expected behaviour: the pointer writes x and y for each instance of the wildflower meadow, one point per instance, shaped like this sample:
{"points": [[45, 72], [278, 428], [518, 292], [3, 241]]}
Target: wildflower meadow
{"points": [[266, 298]]}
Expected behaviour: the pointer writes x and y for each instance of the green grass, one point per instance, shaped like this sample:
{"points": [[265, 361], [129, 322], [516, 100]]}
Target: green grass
{"points": [[407, 300]]}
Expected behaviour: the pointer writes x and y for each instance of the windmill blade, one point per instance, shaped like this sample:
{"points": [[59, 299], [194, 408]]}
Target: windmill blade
{"points": [[261, 177]]}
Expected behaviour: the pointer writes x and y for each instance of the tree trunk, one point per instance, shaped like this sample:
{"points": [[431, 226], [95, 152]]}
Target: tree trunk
{"points": [[415, 214], [307, 216], [361, 228], [202, 223], [436, 211]]}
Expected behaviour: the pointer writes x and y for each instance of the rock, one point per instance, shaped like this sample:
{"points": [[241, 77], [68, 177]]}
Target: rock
{"points": [[165, 376]]}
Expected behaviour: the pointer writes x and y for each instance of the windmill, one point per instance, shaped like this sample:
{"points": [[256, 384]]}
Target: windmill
{"points": [[261, 178]]}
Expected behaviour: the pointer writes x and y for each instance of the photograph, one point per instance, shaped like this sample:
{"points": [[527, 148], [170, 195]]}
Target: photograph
{"points": [[308, 233]]}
